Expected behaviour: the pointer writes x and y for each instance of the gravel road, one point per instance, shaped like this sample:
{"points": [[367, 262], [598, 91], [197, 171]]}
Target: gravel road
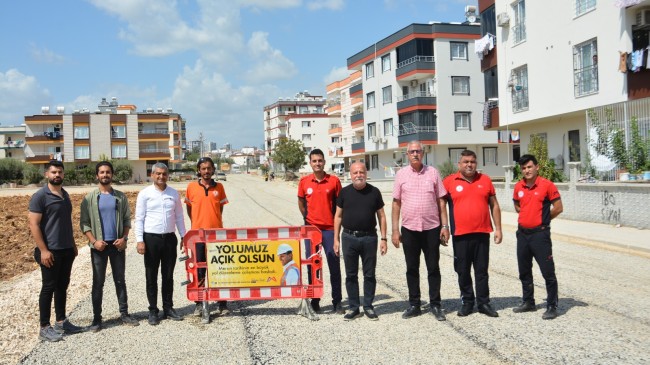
{"points": [[603, 305]]}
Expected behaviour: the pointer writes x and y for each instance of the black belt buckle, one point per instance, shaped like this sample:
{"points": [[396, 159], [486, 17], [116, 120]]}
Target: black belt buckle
{"points": [[359, 233], [532, 230]]}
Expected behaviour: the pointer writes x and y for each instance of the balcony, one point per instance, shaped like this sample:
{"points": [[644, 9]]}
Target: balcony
{"points": [[154, 153], [359, 147], [44, 157], [154, 134], [416, 100], [492, 120], [409, 132], [13, 144], [335, 131], [356, 120], [415, 67], [356, 90], [45, 138]]}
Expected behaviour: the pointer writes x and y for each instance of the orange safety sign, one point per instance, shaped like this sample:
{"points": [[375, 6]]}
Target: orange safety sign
{"points": [[233, 264]]}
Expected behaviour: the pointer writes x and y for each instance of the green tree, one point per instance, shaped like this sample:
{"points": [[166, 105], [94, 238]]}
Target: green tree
{"points": [[539, 149], [289, 153], [31, 174], [123, 170], [618, 151], [446, 168], [638, 148]]}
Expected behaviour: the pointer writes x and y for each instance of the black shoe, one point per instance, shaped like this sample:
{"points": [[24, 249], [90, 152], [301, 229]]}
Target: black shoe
{"points": [[353, 315], [128, 320], [370, 313], [315, 305], [153, 318], [96, 326], [438, 313], [487, 310], [223, 308], [412, 311], [337, 308], [551, 312], [525, 307], [466, 309], [171, 314]]}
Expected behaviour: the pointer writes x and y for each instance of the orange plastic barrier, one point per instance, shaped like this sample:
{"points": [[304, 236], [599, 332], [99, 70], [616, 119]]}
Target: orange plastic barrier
{"points": [[236, 247]]}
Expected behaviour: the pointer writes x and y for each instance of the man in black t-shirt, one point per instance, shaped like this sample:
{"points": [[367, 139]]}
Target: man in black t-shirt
{"points": [[355, 225]]}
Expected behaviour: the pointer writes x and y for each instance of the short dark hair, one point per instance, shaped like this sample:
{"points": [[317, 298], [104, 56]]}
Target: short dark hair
{"points": [[55, 163], [316, 151], [466, 153], [526, 158], [204, 160], [103, 163]]}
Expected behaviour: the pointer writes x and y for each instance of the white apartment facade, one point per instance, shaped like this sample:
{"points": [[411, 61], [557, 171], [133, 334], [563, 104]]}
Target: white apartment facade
{"points": [[420, 83], [302, 118], [12, 142], [555, 60], [112, 130]]}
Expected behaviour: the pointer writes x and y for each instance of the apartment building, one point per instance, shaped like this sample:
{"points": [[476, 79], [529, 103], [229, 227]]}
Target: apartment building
{"points": [[555, 63], [112, 130], [301, 118], [12, 142], [420, 83]]}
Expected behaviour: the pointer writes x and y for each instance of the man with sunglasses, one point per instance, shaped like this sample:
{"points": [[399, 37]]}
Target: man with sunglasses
{"points": [[204, 201], [419, 196]]}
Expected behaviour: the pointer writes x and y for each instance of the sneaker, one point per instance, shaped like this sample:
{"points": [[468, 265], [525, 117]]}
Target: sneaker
{"points": [[49, 334], [337, 308], [437, 312], [223, 308], [551, 313], [96, 326], [370, 313], [67, 327], [128, 320], [525, 307], [353, 315], [198, 309]]}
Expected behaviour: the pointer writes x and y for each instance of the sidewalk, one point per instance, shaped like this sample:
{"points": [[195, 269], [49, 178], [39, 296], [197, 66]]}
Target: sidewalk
{"points": [[621, 239]]}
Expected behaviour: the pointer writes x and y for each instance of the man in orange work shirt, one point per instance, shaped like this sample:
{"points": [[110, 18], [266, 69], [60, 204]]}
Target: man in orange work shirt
{"points": [[317, 195], [205, 199]]}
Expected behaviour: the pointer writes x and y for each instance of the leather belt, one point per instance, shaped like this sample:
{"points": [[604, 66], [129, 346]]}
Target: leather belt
{"points": [[533, 230], [161, 235], [360, 233]]}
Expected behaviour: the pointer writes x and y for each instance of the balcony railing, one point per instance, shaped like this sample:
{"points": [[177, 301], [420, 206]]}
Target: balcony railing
{"points": [[586, 80], [154, 131], [410, 128], [416, 59], [416, 94]]}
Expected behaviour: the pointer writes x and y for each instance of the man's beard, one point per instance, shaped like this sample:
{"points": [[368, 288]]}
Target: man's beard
{"points": [[55, 182], [105, 183]]}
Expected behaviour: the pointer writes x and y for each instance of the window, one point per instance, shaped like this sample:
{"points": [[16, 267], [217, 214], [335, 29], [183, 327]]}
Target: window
{"points": [[454, 154], [519, 27], [81, 133], [462, 121], [306, 137], [306, 123], [387, 93], [370, 100], [82, 152], [520, 89], [372, 130], [574, 145], [336, 139], [370, 70], [490, 156], [304, 109], [458, 50], [118, 131], [585, 68], [385, 63], [460, 85], [374, 162], [583, 6], [119, 151], [388, 127], [491, 83]]}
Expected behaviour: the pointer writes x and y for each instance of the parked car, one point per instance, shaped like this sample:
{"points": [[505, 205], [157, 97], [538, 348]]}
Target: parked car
{"points": [[220, 175]]}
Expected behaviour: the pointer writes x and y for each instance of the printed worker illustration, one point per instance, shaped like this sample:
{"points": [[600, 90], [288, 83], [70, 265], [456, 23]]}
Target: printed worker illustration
{"points": [[291, 271]]}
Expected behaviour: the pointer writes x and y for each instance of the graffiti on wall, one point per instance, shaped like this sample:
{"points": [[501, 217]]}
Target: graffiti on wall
{"points": [[609, 211]]}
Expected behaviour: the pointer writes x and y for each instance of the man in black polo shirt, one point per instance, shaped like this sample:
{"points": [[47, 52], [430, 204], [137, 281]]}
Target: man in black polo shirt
{"points": [[537, 201], [50, 222], [356, 208]]}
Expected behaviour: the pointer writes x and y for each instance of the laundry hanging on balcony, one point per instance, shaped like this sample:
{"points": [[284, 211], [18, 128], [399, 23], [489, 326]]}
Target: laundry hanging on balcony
{"points": [[626, 3], [484, 45]]}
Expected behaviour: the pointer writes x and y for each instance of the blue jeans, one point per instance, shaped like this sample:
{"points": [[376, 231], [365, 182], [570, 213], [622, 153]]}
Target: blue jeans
{"points": [[366, 248], [334, 264], [100, 259]]}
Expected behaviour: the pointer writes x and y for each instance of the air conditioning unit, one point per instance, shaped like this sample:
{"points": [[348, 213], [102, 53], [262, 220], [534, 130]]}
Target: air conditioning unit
{"points": [[643, 18], [375, 139], [414, 83], [503, 20]]}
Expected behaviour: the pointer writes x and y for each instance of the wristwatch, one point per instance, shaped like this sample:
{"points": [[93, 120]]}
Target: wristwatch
{"points": [[384, 239]]}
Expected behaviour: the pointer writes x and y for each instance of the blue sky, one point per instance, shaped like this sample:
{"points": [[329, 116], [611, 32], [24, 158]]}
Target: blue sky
{"points": [[216, 62]]}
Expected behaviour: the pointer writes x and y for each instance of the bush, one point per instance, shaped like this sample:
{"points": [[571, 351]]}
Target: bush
{"points": [[446, 168], [11, 170], [123, 171], [32, 175]]}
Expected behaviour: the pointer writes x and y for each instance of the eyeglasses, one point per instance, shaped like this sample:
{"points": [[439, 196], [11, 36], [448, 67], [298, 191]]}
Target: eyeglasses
{"points": [[414, 152]]}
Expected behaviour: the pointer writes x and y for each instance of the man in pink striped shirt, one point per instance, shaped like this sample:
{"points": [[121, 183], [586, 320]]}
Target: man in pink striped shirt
{"points": [[419, 195]]}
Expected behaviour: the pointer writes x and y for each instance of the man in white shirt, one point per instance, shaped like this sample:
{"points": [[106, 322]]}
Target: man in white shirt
{"points": [[158, 212]]}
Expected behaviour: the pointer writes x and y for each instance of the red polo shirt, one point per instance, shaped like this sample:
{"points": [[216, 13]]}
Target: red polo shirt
{"points": [[535, 202], [469, 209], [321, 199]]}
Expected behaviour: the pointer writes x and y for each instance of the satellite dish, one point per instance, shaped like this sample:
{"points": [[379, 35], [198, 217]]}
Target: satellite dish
{"points": [[471, 18]]}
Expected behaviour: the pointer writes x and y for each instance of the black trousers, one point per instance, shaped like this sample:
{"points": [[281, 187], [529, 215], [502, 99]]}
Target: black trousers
{"points": [[428, 243], [472, 250], [55, 281], [366, 249], [201, 257], [99, 260], [160, 252], [536, 245]]}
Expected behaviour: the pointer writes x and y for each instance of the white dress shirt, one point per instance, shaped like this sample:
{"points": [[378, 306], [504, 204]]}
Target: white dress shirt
{"points": [[158, 212]]}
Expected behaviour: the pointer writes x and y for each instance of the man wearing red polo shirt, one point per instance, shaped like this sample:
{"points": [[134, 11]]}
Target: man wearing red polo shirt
{"points": [[537, 201], [317, 195], [471, 199]]}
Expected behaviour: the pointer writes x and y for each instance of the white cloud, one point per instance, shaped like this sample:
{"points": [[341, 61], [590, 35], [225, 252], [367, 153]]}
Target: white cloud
{"points": [[326, 4], [20, 94], [336, 74], [270, 4], [270, 63], [45, 55]]}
